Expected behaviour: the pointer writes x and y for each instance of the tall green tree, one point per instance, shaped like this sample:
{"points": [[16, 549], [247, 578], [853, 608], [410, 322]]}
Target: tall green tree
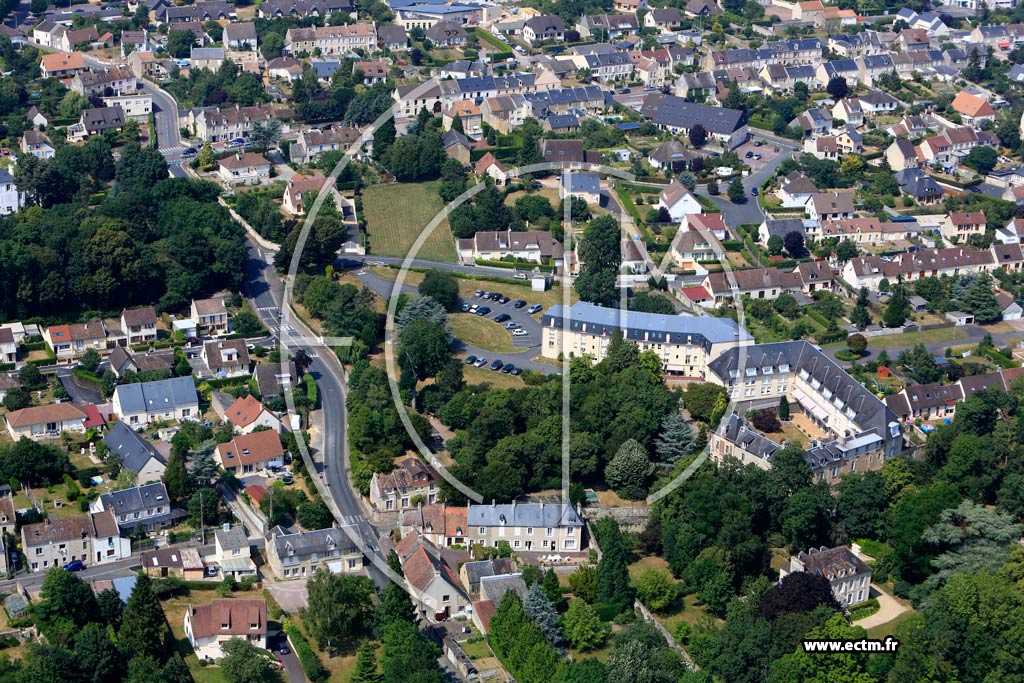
{"points": [[366, 665], [601, 258], [242, 663], [143, 629], [66, 596], [176, 477], [613, 569], [339, 607]]}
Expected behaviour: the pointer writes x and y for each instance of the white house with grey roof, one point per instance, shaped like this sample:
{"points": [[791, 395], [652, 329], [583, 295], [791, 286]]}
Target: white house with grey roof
{"points": [[299, 555], [148, 506], [164, 400], [135, 453], [232, 551], [679, 117], [538, 527], [860, 431], [685, 344]]}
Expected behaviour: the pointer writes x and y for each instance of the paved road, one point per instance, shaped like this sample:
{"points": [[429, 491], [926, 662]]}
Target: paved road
{"points": [[750, 210], [113, 570], [265, 291], [81, 395], [968, 334]]}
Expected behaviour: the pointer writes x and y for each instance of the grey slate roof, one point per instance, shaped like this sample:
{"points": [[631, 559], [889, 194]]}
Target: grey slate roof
{"points": [[669, 110], [635, 325], [493, 588], [132, 450], [475, 571], [784, 226], [160, 395], [582, 182], [136, 498], [546, 515], [308, 542], [233, 537]]}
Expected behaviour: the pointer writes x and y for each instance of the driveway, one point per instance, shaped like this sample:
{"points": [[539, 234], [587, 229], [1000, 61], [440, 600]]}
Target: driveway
{"points": [[79, 393], [292, 596], [292, 667], [888, 609], [748, 212]]}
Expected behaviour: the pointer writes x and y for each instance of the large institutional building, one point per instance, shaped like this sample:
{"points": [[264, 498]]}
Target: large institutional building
{"points": [[685, 344], [860, 431]]}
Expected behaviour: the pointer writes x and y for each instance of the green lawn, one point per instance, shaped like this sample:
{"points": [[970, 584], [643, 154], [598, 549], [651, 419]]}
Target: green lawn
{"points": [[882, 630], [477, 650], [482, 333], [397, 214], [943, 334]]}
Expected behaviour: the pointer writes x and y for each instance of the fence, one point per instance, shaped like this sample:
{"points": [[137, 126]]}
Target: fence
{"points": [[668, 636]]}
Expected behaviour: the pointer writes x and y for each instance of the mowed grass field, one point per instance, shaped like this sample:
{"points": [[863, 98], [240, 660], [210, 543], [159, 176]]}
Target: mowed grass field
{"points": [[396, 214]]}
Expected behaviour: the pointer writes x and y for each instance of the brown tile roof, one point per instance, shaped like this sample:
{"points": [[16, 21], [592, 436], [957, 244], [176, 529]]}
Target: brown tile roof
{"points": [[210, 306], [244, 411], [185, 558], [970, 105], [754, 278], [252, 449], [7, 512], [247, 160], [673, 192], [215, 352], [833, 202], [968, 218], [70, 529], [139, 316], [63, 62], [239, 614], [51, 412], [105, 524]]}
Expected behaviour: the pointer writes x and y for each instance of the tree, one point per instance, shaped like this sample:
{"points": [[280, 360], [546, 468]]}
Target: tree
{"points": [[247, 324], [442, 287], [794, 242], [541, 612], [583, 582], [583, 628], [982, 159], [552, 588], [979, 300], [700, 399], [629, 470], [860, 317], [207, 159], [775, 245], [783, 408], [766, 421], [204, 507], [67, 597], [176, 477], [383, 138], [31, 378], [675, 440], [857, 343], [143, 629], [180, 43], [97, 655], [711, 573], [837, 88], [655, 589], [736, 193], [110, 608], [366, 665], [896, 310], [339, 606], [797, 592], [242, 663], [314, 514], [424, 348], [804, 667], [17, 398], [601, 258], [860, 497], [90, 360], [805, 521], [846, 250], [612, 570], [265, 135], [920, 365], [698, 135]]}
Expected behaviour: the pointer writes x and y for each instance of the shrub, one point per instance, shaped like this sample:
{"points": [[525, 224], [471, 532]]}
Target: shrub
{"points": [[311, 664], [766, 421]]}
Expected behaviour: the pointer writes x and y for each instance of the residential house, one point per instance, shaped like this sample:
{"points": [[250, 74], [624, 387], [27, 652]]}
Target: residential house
{"points": [[471, 573], [434, 587], [824, 147], [780, 227], [230, 123], [972, 109], [868, 271], [830, 206], [901, 155], [392, 38], [241, 36], [544, 27], [167, 399], [147, 505], [118, 80], [226, 357], [838, 68], [8, 347], [441, 524], [136, 106], [457, 146], [11, 200], [870, 67], [210, 625], [313, 144], [585, 186], [249, 453], [849, 110], [298, 185], [468, 113], [678, 200], [397, 490], [93, 539], [877, 102], [36, 143], [299, 555], [921, 187], [665, 20], [247, 414], [232, 551], [676, 115], [567, 152], [447, 34], [526, 526], [304, 8], [671, 155], [494, 169], [532, 246], [96, 121], [795, 190], [210, 316], [62, 65], [273, 378], [246, 168], [135, 453], [691, 247], [849, 576], [285, 68], [331, 40], [814, 121], [209, 58], [45, 422], [960, 225], [139, 325], [756, 283], [171, 562], [373, 72], [70, 342], [849, 141]]}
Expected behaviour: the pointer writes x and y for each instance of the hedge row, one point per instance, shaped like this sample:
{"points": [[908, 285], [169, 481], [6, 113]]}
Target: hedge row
{"points": [[498, 152], [83, 374], [310, 661], [546, 267]]}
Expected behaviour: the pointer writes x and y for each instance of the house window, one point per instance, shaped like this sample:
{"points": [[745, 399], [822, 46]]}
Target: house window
{"points": [[445, 598], [481, 531]]}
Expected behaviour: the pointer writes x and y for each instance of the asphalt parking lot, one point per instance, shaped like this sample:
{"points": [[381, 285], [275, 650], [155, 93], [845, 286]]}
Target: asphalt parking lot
{"points": [[767, 152], [517, 315]]}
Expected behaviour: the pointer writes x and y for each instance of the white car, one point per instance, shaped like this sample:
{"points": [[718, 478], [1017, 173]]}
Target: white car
{"points": [[519, 333]]}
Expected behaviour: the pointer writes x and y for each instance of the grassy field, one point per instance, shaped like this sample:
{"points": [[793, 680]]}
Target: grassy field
{"points": [[645, 563], [397, 214], [469, 285], [497, 380], [482, 333], [891, 341], [882, 630]]}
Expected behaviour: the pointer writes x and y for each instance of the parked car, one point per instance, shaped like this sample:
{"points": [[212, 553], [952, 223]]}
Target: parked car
{"points": [[286, 478], [74, 566], [480, 362], [478, 292], [474, 308], [753, 191], [502, 318], [508, 368], [284, 650], [757, 157], [464, 308], [519, 303], [486, 295], [483, 310], [536, 308], [470, 359], [748, 155], [512, 326], [519, 332], [520, 276], [495, 296], [189, 152], [497, 365], [211, 571], [517, 371], [504, 299]]}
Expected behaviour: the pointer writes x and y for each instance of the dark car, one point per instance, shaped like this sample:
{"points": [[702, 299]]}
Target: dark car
{"points": [[497, 364], [517, 371], [519, 303], [753, 192], [284, 650], [748, 155], [496, 296], [504, 299], [189, 152], [470, 359], [74, 566], [508, 368], [502, 318], [483, 310]]}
